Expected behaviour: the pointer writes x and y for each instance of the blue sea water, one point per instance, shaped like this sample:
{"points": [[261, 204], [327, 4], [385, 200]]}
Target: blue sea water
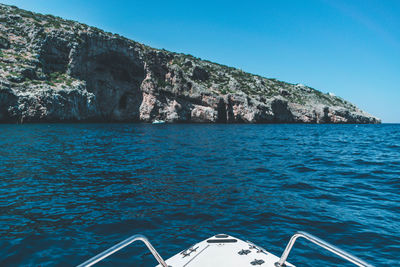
{"points": [[69, 191]]}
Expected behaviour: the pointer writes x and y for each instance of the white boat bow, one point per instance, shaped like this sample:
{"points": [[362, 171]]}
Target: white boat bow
{"points": [[226, 251], [223, 251]]}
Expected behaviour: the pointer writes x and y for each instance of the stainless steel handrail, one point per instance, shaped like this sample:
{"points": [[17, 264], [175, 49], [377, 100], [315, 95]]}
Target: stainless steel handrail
{"points": [[121, 245], [341, 253]]}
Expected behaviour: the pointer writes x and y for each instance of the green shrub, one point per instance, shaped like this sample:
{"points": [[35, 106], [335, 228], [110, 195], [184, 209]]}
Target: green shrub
{"points": [[54, 75], [36, 82], [50, 83], [161, 83]]}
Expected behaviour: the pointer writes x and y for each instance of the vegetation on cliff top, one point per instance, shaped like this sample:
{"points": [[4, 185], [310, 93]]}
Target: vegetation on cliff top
{"points": [[222, 79]]}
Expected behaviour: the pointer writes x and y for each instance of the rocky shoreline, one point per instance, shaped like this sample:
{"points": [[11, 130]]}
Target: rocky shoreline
{"points": [[56, 70]]}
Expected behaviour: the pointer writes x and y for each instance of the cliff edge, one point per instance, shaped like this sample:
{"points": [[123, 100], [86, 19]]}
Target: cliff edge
{"points": [[54, 70]]}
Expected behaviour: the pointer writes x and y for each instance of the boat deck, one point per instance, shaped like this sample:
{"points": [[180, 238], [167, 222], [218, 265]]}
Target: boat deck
{"points": [[223, 250]]}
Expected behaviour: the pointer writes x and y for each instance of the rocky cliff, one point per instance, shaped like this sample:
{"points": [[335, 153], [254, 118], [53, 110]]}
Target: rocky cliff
{"points": [[53, 70]]}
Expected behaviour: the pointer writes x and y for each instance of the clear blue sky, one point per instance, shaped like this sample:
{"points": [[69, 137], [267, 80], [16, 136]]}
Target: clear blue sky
{"points": [[348, 47]]}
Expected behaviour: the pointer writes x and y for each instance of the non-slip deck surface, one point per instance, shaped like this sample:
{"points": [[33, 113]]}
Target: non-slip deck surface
{"points": [[223, 250]]}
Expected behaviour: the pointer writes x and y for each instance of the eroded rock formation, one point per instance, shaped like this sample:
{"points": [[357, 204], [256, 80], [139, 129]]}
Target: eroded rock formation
{"points": [[58, 70]]}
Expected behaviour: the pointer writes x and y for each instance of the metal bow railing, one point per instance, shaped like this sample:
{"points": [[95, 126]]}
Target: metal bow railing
{"points": [[121, 245], [339, 252]]}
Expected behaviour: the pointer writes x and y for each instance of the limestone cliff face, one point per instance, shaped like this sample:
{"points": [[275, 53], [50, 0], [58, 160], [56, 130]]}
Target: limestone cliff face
{"points": [[57, 70]]}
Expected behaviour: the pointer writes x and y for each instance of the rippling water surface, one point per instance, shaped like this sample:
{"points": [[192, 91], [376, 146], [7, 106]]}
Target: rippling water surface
{"points": [[69, 191]]}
